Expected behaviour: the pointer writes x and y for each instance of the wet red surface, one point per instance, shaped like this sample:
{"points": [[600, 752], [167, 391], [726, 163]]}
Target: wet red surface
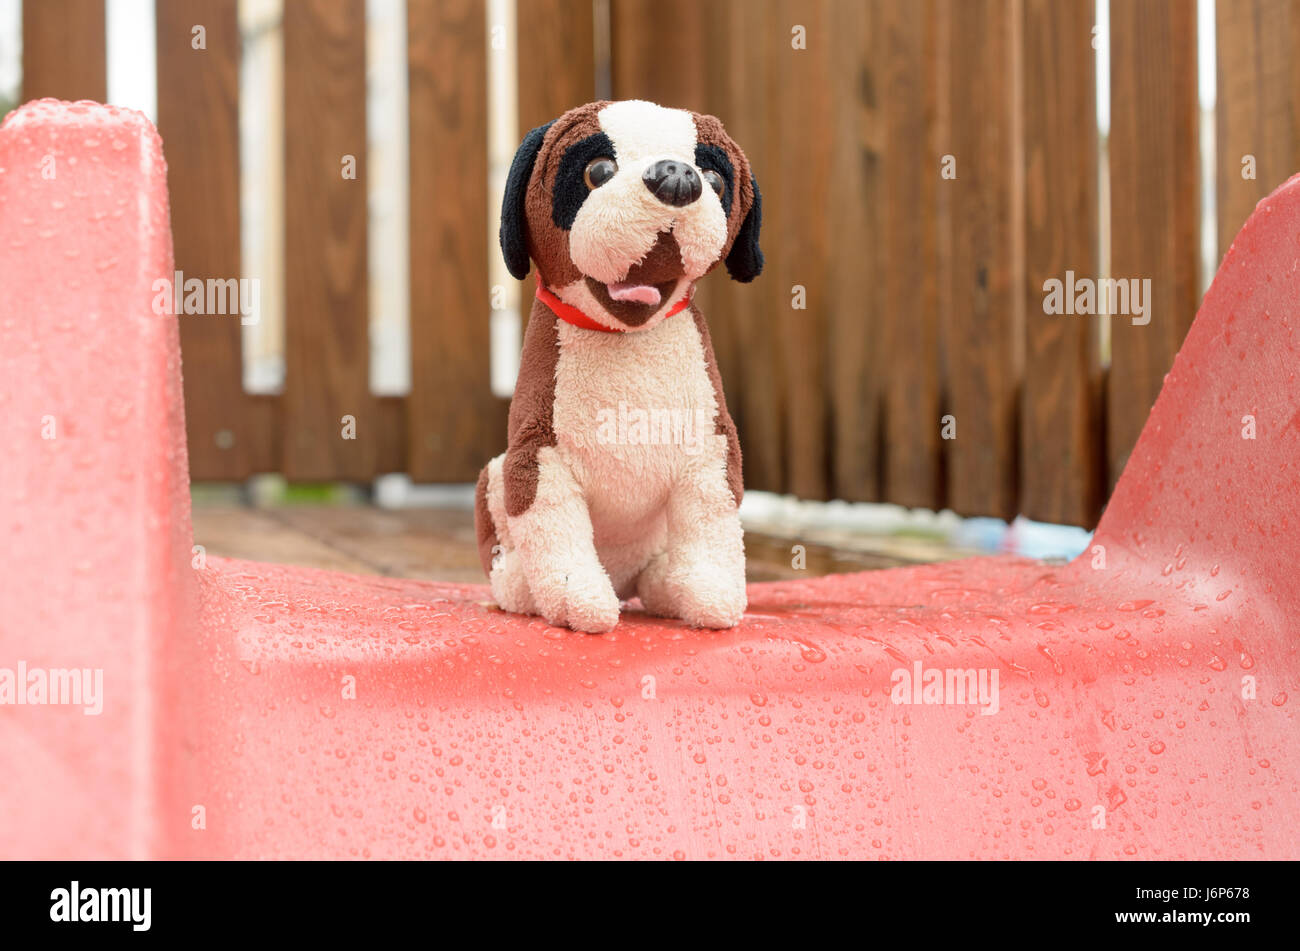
{"points": [[1137, 703]]}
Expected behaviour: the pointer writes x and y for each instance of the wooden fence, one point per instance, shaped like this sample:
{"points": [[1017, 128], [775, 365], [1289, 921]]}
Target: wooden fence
{"points": [[923, 291]]}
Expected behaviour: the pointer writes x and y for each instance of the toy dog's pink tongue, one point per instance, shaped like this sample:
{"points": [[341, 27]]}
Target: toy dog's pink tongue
{"points": [[637, 293]]}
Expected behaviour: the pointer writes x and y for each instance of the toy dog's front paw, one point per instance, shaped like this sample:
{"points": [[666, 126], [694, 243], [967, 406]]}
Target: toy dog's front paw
{"points": [[584, 601], [697, 591], [712, 602]]}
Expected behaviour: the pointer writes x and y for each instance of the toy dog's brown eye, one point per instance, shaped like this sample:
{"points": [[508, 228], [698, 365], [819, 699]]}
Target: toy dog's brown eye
{"points": [[599, 171], [713, 180]]}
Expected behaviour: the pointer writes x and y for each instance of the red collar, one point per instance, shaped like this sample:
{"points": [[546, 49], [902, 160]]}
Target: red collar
{"points": [[570, 314]]}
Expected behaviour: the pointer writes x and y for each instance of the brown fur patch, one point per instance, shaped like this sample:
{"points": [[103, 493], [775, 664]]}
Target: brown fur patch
{"points": [[724, 425], [484, 528], [548, 244], [531, 425], [709, 131]]}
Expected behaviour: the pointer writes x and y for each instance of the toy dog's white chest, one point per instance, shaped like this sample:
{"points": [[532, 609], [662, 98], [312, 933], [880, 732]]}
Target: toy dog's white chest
{"points": [[630, 411]]}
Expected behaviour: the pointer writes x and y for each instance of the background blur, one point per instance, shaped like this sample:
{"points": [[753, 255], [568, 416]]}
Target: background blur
{"points": [[925, 164]]}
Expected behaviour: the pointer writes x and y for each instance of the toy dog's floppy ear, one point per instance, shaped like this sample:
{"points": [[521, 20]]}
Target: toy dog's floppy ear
{"points": [[745, 260], [514, 226]]}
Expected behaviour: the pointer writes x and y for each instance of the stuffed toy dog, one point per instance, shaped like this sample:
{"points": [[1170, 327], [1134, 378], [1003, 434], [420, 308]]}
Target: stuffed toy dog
{"points": [[622, 471]]}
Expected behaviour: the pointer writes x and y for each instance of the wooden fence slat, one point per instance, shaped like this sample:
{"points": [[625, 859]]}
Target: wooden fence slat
{"points": [[981, 370], [907, 243], [1059, 439], [454, 423], [326, 335], [264, 414], [1258, 110], [942, 143], [654, 58], [65, 54], [557, 59], [198, 117], [1155, 204], [850, 222], [796, 209], [390, 428]]}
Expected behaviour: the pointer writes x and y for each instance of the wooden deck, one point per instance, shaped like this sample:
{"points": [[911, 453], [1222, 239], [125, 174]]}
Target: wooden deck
{"points": [[439, 544]]}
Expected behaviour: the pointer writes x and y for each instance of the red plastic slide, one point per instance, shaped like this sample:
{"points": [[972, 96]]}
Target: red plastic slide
{"points": [[1137, 703]]}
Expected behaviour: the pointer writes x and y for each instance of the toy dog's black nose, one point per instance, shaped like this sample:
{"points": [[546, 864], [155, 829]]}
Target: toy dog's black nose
{"points": [[673, 182]]}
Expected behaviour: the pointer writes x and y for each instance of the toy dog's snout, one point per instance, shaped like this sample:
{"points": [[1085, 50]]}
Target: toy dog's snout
{"points": [[673, 183]]}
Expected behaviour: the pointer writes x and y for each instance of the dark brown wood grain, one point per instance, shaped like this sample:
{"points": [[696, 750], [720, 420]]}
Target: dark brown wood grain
{"points": [[1258, 111], [454, 423], [1155, 203], [265, 429], [327, 350], [390, 432], [907, 249], [855, 265], [1059, 435], [556, 63], [64, 50], [981, 370], [941, 143], [198, 117], [655, 57], [797, 213]]}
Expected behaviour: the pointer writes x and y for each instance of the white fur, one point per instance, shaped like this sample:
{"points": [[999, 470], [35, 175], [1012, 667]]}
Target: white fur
{"points": [[613, 520], [645, 130]]}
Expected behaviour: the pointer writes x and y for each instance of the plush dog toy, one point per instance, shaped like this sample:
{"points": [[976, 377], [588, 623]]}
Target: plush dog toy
{"points": [[622, 471]]}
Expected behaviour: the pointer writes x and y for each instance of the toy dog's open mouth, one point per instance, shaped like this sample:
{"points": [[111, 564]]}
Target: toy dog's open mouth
{"points": [[636, 293], [633, 303], [637, 297]]}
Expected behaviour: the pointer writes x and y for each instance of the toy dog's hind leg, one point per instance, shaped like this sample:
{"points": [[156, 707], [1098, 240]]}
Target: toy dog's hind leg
{"points": [[501, 562], [543, 560], [557, 551], [700, 575]]}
